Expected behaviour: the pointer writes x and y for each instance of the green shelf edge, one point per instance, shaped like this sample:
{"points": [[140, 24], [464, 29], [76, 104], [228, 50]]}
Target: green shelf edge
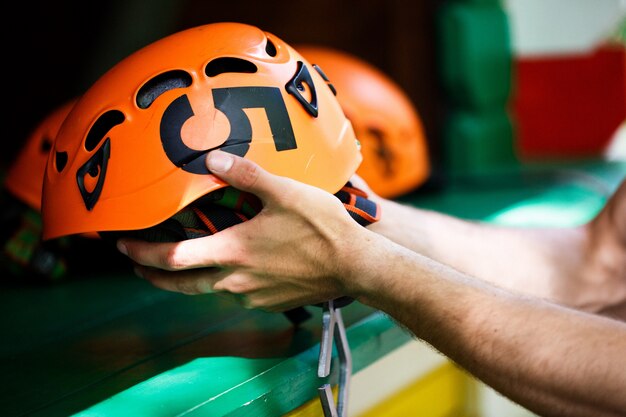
{"points": [[255, 387]]}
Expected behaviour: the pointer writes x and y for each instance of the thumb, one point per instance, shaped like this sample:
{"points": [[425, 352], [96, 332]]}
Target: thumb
{"points": [[243, 174]]}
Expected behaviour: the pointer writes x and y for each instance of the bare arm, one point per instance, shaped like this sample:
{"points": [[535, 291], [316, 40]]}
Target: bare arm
{"points": [[582, 267], [552, 360]]}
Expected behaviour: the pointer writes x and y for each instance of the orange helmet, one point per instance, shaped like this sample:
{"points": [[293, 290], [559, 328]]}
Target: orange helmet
{"points": [[131, 152], [25, 177], [393, 144]]}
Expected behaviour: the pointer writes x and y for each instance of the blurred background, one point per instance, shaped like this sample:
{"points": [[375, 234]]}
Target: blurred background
{"points": [[494, 81], [63, 47]]}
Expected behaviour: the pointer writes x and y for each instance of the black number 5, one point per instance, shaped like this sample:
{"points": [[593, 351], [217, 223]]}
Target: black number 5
{"points": [[230, 101]]}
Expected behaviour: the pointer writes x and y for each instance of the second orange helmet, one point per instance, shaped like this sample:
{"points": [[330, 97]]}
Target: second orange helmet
{"points": [[389, 127], [25, 177]]}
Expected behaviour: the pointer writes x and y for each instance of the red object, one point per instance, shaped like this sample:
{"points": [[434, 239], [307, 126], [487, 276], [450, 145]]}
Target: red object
{"points": [[569, 106]]}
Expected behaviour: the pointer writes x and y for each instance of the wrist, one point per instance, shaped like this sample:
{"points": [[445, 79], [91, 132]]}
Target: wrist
{"points": [[357, 263]]}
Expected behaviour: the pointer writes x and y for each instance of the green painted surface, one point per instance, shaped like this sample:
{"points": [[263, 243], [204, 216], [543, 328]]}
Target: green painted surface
{"points": [[475, 54], [236, 386], [105, 334], [476, 142], [555, 194], [112, 345]]}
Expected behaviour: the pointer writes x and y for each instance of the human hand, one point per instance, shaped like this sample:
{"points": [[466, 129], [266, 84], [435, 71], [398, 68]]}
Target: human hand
{"points": [[292, 253]]}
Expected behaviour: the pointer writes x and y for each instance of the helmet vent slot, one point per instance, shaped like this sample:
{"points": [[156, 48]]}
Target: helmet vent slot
{"points": [[227, 64], [60, 159], [158, 85], [320, 72], [270, 48], [295, 87], [46, 145], [102, 126]]}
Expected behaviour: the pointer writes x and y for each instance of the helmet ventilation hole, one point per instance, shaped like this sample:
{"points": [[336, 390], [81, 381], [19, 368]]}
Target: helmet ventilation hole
{"points": [[295, 87], [227, 64], [320, 72], [158, 85], [46, 145], [323, 75], [270, 48], [60, 159], [102, 126]]}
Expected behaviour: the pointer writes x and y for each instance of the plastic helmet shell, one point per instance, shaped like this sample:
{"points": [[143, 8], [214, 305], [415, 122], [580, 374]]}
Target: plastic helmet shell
{"points": [[389, 127], [132, 151], [25, 176]]}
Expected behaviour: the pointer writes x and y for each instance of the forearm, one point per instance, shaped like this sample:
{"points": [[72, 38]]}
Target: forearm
{"points": [[485, 251], [552, 263], [507, 341]]}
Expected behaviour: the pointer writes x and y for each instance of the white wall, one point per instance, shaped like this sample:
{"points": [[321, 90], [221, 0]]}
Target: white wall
{"points": [[551, 27]]}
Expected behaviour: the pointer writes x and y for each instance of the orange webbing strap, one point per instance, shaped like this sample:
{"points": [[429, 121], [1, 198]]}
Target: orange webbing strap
{"points": [[360, 208]]}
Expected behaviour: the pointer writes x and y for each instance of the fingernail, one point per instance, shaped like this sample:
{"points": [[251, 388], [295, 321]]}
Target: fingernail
{"points": [[122, 248], [219, 162]]}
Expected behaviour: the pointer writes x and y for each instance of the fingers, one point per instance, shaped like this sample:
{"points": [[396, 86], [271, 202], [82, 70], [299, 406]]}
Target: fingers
{"points": [[213, 280], [190, 282], [211, 251], [183, 282], [245, 175], [224, 248]]}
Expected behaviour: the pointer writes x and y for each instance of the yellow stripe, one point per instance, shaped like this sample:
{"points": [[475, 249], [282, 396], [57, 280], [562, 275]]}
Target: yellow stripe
{"points": [[444, 392]]}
